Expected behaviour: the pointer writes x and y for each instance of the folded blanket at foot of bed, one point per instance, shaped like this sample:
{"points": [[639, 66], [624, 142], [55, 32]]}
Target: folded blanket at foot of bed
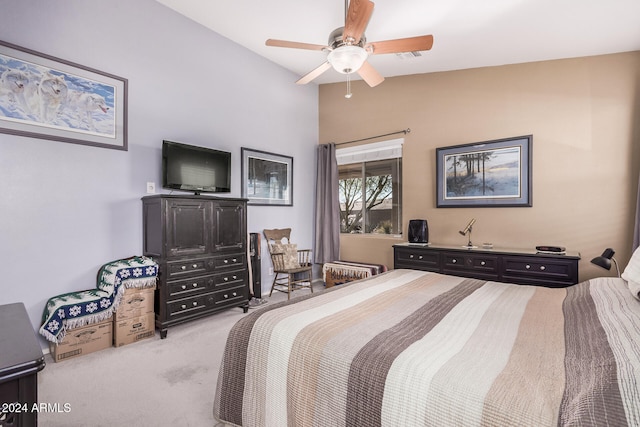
{"points": [[76, 309], [339, 272]]}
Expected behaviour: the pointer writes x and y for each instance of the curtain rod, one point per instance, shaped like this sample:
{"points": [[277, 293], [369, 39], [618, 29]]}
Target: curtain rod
{"points": [[405, 131]]}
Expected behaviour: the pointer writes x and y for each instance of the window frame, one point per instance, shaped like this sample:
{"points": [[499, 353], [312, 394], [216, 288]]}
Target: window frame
{"points": [[369, 154]]}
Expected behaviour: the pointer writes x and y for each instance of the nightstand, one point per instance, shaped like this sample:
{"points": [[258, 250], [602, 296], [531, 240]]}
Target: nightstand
{"points": [[21, 359]]}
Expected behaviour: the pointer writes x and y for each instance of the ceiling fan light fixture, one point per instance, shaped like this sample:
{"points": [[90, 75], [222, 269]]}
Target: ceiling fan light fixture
{"points": [[347, 59]]}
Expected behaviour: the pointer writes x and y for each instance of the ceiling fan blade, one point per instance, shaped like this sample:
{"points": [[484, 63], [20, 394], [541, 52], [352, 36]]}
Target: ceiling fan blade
{"points": [[294, 45], [370, 75], [410, 44], [356, 21], [313, 73]]}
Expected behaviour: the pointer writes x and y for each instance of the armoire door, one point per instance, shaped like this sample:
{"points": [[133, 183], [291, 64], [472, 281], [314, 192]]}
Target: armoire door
{"points": [[186, 227], [229, 226]]}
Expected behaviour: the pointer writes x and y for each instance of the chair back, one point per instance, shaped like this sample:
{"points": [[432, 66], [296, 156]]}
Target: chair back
{"points": [[277, 235]]}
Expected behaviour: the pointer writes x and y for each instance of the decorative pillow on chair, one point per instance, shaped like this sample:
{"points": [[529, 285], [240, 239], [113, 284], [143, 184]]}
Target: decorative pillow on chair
{"points": [[289, 252], [631, 274]]}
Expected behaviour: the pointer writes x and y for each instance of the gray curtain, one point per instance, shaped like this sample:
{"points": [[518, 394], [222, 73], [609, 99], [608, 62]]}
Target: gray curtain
{"points": [[327, 227], [636, 231]]}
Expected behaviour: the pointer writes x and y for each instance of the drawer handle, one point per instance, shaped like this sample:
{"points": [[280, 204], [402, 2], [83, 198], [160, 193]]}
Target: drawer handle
{"points": [[195, 285], [411, 256], [183, 306], [234, 294], [226, 296], [195, 266], [454, 261], [542, 267], [527, 266], [183, 287], [420, 257], [234, 259], [226, 261], [482, 263], [226, 279], [184, 267], [195, 303]]}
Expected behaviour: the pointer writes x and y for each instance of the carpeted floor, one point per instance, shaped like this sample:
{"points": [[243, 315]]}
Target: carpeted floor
{"points": [[153, 382]]}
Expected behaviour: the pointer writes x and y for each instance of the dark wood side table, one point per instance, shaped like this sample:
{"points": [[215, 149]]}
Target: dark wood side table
{"points": [[21, 359]]}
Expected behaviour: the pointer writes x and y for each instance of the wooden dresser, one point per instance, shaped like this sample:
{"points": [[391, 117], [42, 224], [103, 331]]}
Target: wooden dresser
{"points": [[21, 359], [200, 244], [520, 266]]}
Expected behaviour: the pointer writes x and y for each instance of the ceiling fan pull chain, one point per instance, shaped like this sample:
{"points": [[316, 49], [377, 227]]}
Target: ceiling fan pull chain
{"points": [[348, 95]]}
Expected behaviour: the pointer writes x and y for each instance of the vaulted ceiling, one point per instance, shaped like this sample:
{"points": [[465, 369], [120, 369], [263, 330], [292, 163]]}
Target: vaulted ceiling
{"points": [[467, 33]]}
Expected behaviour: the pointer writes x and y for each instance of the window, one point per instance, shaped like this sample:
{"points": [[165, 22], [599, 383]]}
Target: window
{"points": [[370, 187]]}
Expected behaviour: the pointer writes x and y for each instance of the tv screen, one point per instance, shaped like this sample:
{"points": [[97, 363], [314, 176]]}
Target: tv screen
{"points": [[198, 169]]}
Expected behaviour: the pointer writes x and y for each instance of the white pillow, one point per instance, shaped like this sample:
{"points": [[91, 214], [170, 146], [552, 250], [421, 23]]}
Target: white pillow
{"points": [[634, 287], [631, 273]]}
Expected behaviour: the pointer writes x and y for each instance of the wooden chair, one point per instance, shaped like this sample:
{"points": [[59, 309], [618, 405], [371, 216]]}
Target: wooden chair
{"points": [[291, 266]]}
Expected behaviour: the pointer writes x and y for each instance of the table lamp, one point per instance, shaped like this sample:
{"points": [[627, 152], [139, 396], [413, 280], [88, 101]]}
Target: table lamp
{"points": [[605, 259]]}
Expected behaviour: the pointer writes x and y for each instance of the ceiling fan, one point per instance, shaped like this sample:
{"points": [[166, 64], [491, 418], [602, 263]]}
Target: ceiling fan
{"points": [[348, 49]]}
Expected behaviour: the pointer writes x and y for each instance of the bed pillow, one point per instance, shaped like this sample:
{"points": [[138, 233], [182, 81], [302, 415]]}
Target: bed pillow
{"points": [[289, 252], [631, 274], [634, 287]]}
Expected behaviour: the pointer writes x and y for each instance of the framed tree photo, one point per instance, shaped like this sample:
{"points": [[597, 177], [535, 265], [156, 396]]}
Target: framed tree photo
{"points": [[267, 178], [493, 173]]}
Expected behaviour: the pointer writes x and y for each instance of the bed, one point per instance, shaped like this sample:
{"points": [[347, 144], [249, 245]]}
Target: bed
{"points": [[412, 348]]}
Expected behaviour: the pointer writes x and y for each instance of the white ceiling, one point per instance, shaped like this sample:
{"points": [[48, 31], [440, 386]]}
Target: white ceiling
{"points": [[467, 33]]}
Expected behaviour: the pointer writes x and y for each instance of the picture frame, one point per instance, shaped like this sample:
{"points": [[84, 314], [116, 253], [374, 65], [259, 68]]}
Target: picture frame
{"points": [[494, 173], [45, 97], [267, 178]]}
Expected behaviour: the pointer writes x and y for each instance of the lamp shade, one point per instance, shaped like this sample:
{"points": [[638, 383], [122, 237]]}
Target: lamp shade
{"points": [[604, 260], [347, 59]]}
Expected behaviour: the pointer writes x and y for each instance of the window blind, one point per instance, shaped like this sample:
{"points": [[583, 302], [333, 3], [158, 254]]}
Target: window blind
{"points": [[391, 149]]}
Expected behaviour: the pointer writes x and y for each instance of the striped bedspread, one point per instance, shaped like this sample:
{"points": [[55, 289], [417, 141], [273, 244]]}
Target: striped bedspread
{"points": [[411, 348]]}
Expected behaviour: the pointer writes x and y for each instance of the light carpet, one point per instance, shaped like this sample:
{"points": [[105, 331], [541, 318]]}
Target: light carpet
{"points": [[153, 382]]}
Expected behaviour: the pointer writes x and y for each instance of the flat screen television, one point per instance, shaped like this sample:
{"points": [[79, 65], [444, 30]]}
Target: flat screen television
{"points": [[197, 169]]}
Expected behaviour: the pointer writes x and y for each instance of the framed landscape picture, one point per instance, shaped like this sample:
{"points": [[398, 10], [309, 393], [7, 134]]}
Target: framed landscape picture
{"points": [[267, 178], [49, 98], [485, 174]]}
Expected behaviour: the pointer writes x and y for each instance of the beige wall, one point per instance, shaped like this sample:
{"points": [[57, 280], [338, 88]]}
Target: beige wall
{"points": [[583, 113]]}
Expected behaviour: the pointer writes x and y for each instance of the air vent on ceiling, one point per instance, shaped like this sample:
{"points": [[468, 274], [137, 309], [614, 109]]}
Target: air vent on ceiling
{"points": [[408, 55]]}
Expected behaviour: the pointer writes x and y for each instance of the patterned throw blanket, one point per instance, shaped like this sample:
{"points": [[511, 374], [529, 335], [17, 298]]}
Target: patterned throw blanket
{"points": [[339, 272], [411, 348], [76, 309]]}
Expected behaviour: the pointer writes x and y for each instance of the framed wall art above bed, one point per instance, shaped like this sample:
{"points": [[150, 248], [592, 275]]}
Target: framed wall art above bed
{"points": [[485, 174]]}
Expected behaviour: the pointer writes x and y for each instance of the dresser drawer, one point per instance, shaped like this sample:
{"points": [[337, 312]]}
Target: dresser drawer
{"points": [[535, 271], [475, 265], [186, 307], [229, 279], [230, 296], [189, 266], [480, 262], [416, 258], [229, 261], [190, 286]]}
